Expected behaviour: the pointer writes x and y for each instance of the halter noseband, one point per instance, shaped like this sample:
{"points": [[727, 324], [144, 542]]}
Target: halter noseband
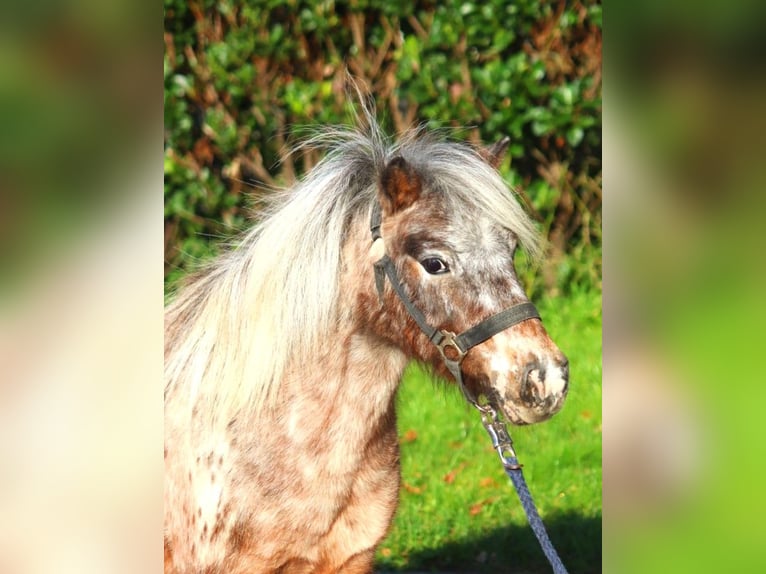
{"points": [[447, 342]]}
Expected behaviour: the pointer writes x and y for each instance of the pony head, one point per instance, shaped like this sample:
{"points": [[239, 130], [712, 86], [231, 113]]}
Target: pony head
{"points": [[451, 228]]}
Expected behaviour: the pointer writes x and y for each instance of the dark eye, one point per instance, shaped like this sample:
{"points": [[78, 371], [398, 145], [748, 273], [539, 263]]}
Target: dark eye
{"points": [[434, 266]]}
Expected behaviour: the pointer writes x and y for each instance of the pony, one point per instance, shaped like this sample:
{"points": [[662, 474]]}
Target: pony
{"points": [[283, 356]]}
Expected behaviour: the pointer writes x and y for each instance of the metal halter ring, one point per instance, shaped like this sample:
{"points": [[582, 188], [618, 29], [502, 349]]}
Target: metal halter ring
{"points": [[449, 340]]}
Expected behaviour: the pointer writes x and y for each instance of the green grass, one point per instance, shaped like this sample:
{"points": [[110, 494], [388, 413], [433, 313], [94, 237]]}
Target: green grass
{"points": [[459, 512]]}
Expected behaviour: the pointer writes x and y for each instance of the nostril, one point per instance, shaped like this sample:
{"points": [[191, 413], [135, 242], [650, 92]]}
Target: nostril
{"points": [[564, 368], [532, 381]]}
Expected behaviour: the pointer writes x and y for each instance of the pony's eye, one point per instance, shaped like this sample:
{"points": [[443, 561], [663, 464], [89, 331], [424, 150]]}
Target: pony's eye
{"points": [[434, 266]]}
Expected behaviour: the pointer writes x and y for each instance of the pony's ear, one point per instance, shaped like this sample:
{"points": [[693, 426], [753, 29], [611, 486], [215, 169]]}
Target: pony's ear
{"points": [[400, 185], [495, 153]]}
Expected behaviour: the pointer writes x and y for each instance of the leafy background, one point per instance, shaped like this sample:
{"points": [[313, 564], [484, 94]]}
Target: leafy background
{"points": [[242, 78]]}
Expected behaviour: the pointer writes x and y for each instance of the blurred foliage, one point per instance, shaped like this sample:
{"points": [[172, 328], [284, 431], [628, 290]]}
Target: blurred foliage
{"points": [[242, 78], [75, 110]]}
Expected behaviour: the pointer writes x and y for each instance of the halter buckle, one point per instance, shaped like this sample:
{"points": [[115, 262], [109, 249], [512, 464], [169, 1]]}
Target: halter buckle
{"points": [[448, 340]]}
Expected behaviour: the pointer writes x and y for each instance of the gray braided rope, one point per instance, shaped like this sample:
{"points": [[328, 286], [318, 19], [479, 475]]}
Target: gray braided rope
{"points": [[535, 522]]}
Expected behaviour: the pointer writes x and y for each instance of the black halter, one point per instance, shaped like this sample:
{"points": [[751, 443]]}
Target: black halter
{"points": [[443, 339], [460, 345]]}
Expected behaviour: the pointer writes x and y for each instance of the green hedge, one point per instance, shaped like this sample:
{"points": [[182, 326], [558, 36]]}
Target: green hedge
{"points": [[242, 78]]}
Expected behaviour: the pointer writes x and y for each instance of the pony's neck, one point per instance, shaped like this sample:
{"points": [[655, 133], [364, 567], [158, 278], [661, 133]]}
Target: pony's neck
{"points": [[344, 404], [357, 378], [351, 385]]}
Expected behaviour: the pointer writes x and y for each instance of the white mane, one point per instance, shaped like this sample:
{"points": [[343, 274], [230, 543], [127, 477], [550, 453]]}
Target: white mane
{"points": [[234, 328]]}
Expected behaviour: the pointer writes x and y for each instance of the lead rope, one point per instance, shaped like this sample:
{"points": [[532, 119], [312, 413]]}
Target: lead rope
{"points": [[503, 445], [459, 345]]}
